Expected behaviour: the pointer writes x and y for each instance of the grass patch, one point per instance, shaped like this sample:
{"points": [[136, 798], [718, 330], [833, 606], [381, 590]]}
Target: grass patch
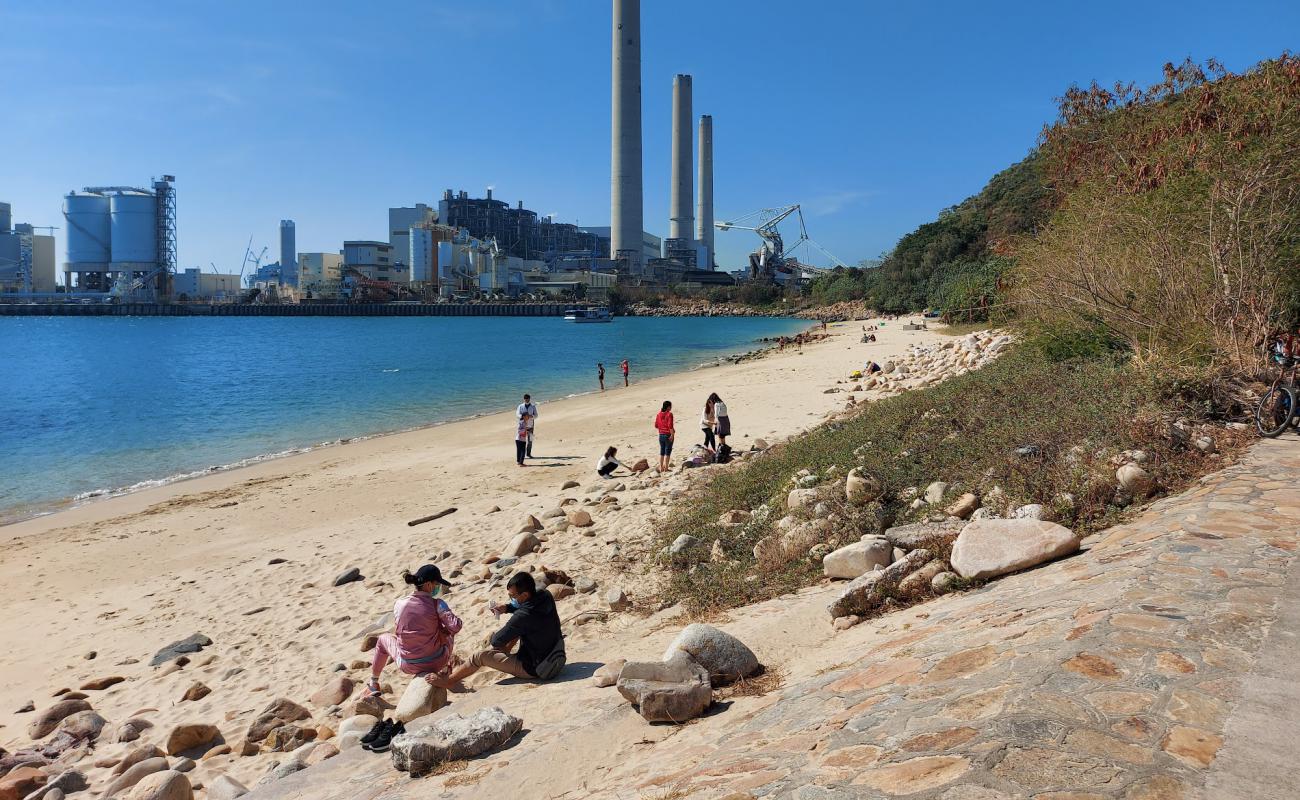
{"points": [[1032, 427], [767, 681]]}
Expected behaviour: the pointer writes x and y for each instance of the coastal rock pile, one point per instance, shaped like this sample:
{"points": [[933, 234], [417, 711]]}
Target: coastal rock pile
{"points": [[926, 365]]}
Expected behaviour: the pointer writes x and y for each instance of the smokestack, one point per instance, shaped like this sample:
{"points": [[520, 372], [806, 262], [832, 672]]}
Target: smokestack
{"points": [[681, 216], [626, 210], [704, 229]]}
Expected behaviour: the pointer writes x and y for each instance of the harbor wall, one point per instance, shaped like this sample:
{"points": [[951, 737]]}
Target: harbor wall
{"points": [[300, 310]]}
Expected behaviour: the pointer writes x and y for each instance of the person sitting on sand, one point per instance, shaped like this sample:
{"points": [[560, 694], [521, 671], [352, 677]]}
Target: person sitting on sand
{"points": [[534, 624], [424, 632], [608, 463], [870, 367]]}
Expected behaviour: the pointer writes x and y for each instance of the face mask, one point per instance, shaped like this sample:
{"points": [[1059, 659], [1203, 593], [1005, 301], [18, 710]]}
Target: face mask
{"points": [[437, 590], [514, 603]]}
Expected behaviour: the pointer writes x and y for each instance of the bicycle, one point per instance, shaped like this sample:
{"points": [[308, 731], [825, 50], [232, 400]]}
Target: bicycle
{"points": [[1277, 408]]}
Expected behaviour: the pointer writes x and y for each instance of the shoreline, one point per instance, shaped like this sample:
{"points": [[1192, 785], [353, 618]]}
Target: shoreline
{"points": [[25, 512]]}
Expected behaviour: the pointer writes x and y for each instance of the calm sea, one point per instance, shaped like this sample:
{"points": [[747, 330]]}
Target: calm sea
{"points": [[90, 405]]}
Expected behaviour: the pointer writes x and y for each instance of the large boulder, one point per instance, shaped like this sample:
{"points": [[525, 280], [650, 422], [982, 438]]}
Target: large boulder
{"points": [[726, 658], [83, 725], [453, 738], [134, 774], [858, 558], [190, 644], [167, 785], [867, 592], [924, 534], [666, 691], [191, 736], [988, 548], [281, 711], [46, 721], [419, 699]]}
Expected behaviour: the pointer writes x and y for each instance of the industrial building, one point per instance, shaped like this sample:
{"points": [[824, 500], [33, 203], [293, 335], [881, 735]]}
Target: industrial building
{"points": [[195, 284], [320, 274], [121, 239], [26, 258], [288, 252], [400, 222], [374, 260], [518, 231]]}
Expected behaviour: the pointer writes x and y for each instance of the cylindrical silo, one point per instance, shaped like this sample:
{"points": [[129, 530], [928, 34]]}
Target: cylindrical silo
{"points": [[704, 208], [88, 228], [626, 202], [134, 228], [681, 220]]}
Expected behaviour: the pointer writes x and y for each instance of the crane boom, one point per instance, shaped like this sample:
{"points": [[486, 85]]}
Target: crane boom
{"points": [[773, 256]]}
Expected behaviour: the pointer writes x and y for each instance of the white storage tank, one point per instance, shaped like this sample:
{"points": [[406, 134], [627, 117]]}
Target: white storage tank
{"points": [[88, 227], [134, 228]]}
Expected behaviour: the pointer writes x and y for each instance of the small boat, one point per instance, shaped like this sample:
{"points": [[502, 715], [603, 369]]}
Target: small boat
{"points": [[597, 314]]}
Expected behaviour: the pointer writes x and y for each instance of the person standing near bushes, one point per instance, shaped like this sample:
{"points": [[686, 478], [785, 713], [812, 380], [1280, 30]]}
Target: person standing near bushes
{"points": [[667, 432]]}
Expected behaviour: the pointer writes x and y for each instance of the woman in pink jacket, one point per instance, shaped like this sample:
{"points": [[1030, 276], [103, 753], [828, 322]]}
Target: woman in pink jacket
{"points": [[424, 632]]}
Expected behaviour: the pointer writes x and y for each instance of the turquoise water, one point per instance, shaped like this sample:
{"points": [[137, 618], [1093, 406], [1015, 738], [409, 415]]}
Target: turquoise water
{"points": [[98, 404]]}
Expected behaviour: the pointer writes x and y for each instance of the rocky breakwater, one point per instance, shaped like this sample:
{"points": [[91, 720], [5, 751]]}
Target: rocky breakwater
{"points": [[699, 308], [926, 365]]}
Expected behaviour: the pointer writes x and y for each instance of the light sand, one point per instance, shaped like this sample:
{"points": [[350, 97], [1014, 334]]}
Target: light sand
{"points": [[125, 576]]}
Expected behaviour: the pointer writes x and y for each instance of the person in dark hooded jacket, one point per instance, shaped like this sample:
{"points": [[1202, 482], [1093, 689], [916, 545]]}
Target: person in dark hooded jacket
{"points": [[534, 625]]}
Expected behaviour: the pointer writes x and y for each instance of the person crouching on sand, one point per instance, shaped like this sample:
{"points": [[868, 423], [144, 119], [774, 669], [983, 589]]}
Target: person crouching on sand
{"points": [[608, 463], [421, 644], [667, 432], [534, 625]]}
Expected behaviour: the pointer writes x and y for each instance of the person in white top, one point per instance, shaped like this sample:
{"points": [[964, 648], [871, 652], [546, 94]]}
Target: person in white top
{"points": [[608, 463], [723, 427], [708, 420], [530, 408]]}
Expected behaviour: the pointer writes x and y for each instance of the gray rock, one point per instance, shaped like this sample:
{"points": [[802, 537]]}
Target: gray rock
{"points": [[666, 691], [607, 674], [935, 491], [858, 558], [69, 781], [798, 498], [134, 774], [1029, 511], [988, 548], [419, 699], [683, 544], [920, 581], [944, 582], [453, 738], [281, 711], [570, 485], [554, 513], [350, 575], [190, 644], [921, 534], [866, 593], [726, 658], [617, 599], [83, 725], [224, 787], [137, 755]]}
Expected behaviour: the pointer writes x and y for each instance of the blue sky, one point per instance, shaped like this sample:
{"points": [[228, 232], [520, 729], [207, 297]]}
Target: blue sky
{"points": [[872, 115]]}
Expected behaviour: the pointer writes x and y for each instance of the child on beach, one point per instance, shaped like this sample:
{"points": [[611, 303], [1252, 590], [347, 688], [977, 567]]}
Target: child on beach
{"points": [[667, 432], [624, 365], [608, 463], [522, 433]]}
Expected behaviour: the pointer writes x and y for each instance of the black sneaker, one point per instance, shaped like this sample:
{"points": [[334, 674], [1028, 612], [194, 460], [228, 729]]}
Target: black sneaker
{"points": [[385, 737], [374, 732]]}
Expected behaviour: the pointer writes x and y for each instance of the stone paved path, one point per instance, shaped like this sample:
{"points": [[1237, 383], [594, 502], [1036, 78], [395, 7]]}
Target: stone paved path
{"points": [[1148, 667]]}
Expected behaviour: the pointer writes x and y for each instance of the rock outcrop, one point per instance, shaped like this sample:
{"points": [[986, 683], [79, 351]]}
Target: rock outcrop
{"points": [[453, 738]]}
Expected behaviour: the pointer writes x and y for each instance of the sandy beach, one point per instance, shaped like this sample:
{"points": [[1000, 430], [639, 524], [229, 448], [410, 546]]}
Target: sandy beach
{"points": [[122, 577]]}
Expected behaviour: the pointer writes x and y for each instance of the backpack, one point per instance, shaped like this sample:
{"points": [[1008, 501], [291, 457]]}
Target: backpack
{"points": [[724, 454], [554, 661]]}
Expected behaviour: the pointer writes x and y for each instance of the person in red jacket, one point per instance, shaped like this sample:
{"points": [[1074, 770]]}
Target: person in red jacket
{"points": [[667, 432]]}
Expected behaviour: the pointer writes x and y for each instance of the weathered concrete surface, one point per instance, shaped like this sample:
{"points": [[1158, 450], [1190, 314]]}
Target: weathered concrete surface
{"points": [[1148, 667]]}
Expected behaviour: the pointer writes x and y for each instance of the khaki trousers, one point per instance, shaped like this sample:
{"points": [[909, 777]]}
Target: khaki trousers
{"points": [[499, 661]]}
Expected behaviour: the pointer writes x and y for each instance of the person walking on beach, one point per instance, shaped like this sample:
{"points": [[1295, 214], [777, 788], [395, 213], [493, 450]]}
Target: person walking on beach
{"points": [[667, 432], [533, 624], [421, 644], [529, 408], [707, 421], [600, 375], [723, 426], [522, 437], [625, 368], [608, 463]]}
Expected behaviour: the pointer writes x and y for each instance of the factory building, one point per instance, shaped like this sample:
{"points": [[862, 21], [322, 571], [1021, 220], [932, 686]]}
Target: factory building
{"points": [[518, 231], [373, 260], [288, 252], [400, 222], [121, 238], [320, 274], [651, 245], [195, 284], [26, 258], [422, 258]]}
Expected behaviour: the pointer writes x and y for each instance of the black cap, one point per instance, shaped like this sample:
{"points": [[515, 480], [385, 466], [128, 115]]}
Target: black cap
{"points": [[429, 573]]}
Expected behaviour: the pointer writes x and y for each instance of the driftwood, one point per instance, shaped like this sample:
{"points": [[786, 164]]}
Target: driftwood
{"points": [[431, 517]]}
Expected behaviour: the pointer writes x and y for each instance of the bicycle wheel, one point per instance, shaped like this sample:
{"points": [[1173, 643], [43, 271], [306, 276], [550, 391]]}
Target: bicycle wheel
{"points": [[1275, 410]]}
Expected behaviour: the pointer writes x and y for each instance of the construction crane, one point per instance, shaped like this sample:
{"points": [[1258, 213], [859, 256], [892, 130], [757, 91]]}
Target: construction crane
{"points": [[772, 256]]}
